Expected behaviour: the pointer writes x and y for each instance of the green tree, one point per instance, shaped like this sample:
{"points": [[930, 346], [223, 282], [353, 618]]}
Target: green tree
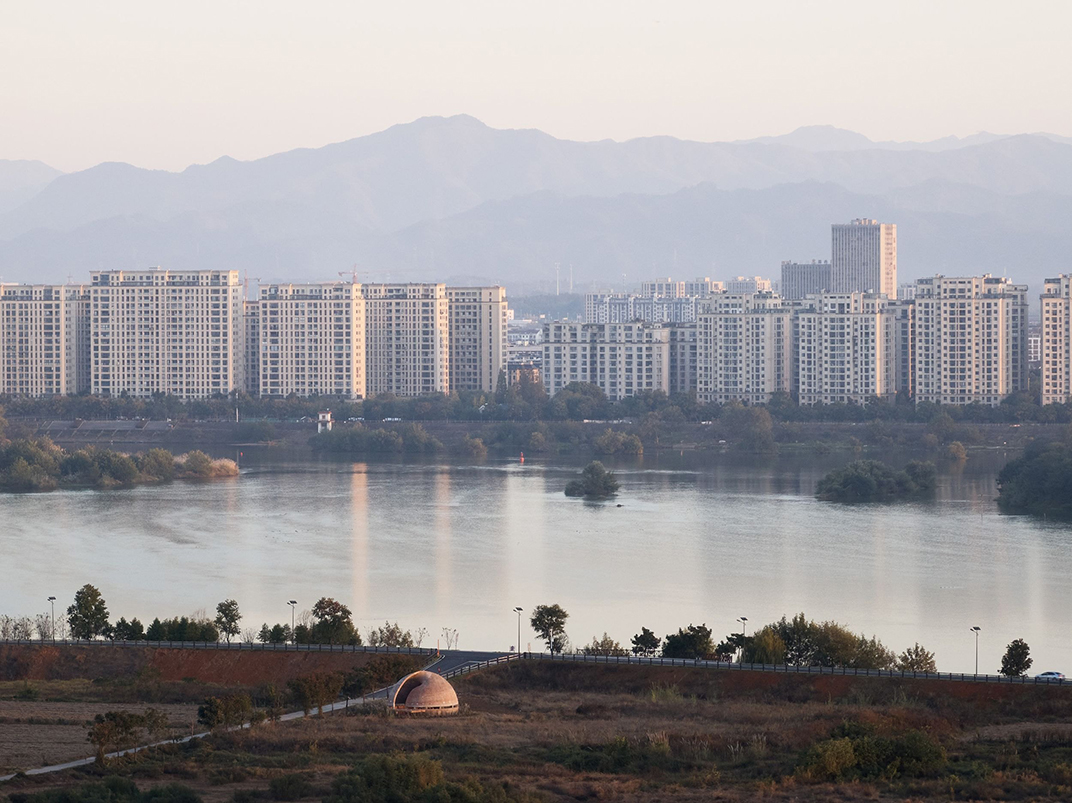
{"points": [[128, 631], [549, 622], [88, 616], [1017, 659], [645, 643], [1039, 482], [595, 482], [227, 619], [693, 641], [333, 623], [765, 647], [115, 729], [916, 659]]}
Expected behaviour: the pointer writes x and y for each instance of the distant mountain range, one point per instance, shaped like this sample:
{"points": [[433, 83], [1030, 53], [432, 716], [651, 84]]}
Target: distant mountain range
{"points": [[452, 199]]}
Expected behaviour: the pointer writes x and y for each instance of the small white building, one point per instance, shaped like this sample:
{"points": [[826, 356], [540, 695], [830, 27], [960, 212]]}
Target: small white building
{"points": [[323, 421]]}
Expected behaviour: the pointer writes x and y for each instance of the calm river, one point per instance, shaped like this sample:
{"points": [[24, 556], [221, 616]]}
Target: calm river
{"points": [[696, 538]]}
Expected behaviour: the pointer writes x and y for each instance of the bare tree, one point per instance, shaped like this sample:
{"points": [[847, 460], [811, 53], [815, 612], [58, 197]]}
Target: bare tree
{"points": [[24, 628], [43, 626], [421, 634], [7, 627], [450, 637]]}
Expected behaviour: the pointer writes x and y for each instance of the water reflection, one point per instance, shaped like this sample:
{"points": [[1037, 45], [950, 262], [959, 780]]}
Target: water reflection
{"points": [[696, 539]]}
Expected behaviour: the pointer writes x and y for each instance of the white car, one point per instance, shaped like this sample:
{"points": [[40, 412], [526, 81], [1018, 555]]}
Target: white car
{"points": [[1051, 676]]}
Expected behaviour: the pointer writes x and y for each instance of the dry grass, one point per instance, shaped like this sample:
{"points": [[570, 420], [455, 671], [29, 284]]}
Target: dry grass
{"points": [[34, 734]]}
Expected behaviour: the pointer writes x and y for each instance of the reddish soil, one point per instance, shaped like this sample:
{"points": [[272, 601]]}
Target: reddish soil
{"points": [[227, 667]]}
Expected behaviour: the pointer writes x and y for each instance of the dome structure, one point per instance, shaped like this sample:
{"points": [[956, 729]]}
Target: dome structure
{"points": [[424, 693]]}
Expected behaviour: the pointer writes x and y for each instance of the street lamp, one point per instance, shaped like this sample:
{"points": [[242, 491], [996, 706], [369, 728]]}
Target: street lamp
{"points": [[976, 630], [292, 603], [519, 611], [744, 625], [52, 602]]}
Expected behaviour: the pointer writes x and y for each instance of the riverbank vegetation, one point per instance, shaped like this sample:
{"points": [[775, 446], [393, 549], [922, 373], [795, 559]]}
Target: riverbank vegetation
{"points": [[522, 401], [357, 439], [874, 481], [1039, 482], [40, 465]]}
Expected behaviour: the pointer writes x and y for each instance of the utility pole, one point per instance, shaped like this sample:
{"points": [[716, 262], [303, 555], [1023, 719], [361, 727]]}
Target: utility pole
{"points": [[976, 630]]}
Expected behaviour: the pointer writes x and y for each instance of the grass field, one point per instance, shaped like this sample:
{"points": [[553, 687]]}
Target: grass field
{"points": [[535, 731]]}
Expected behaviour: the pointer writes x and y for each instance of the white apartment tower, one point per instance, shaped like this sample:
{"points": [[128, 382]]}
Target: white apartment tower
{"points": [[864, 258], [622, 359], [407, 339], [801, 279], [311, 340], [971, 339], [667, 288], [748, 284], [478, 344], [43, 340], [703, 287], [1056, 334], [847, 349], [744, 349], [164, 331]]}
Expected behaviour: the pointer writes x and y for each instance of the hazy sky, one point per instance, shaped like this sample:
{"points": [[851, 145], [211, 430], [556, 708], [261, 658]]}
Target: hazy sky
{"points": [[169, 84]]}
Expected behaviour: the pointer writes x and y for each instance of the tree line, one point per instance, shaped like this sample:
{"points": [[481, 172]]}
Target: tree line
{"points": [[328, 622], [524, 400], [796, 641], [41, 465]]}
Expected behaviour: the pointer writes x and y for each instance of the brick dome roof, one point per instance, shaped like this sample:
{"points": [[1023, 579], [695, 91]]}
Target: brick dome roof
{"points": [[424, 692]]}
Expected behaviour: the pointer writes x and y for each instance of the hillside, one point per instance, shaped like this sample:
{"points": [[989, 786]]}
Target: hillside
{"points": [[452, 197]]}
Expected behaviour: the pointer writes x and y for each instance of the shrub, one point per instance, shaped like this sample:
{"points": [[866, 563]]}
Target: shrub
{"points": [[873, 481], [291, 787], [472, 447], [595, 482]]}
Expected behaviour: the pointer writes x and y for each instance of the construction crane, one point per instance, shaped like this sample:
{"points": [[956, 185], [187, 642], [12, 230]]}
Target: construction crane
{"points": [[353, 274], [245, 285]]}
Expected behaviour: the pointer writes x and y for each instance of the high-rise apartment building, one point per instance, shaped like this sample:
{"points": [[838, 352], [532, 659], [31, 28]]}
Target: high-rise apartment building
{"points": [[478, 337], [163, 331], [864, 258], [744, 349], [971, 339], [684, 354], [748, 284], [847, 349], [43, 339], [622, 359], [625, 308], [1056, 340], [407, 339], [800, 279], [251, 347], [311, 340], [703, 287], [667, 288]]}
